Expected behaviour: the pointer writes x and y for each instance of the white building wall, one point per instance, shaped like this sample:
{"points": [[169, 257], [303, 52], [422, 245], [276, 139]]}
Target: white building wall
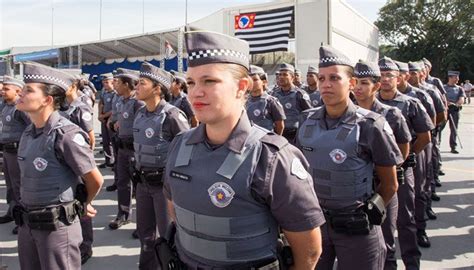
{"points": [[317, 22]]}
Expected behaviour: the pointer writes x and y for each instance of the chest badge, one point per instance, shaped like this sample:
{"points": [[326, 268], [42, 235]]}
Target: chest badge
{"points": [[40, 164], [338, 156], [108, 100], [315, 102], [257, 112], [288, 105], [8, 118], [149, 132], [125, 115], [221, 194]]}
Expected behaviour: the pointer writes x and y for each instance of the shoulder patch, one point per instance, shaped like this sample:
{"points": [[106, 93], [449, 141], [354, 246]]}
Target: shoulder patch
{"points": [[387, 128], [79, 140], [87, 116], [182, 117], [298, 170]]}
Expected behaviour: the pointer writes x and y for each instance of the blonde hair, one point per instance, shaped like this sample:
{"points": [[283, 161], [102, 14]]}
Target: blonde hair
{"points": [[239, 72]]}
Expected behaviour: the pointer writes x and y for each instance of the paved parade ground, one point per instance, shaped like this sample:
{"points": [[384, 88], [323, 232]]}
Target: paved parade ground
{"points": [[451, 235]]}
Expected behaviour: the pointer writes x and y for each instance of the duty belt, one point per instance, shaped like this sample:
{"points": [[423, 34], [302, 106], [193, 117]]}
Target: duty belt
{"points": [[154, 178], [47, 218]]}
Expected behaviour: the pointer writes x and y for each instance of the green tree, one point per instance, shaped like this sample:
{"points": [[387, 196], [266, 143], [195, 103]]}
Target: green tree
{"points": [[440, 30]]}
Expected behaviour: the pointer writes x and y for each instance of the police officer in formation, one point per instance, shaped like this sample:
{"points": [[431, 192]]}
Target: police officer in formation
{"points": [[80, 114], [55, 153], [229, 215], [105, 112], [420, 170], [179, 98], [263, 109], [394, 77], [154, 128], [297, 80], [128, 107], [455, 96], [430, 151], [312, 87], [344, 144], [12, 124], [441, 120], [368, 84], [116, 107], [87, 91], [293, 99]]}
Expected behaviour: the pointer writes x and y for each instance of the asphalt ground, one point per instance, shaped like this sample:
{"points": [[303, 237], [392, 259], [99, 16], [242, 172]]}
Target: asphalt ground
{"points": [[451, 235]]}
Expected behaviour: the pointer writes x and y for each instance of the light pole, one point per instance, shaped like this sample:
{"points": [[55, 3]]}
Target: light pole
{"points": [[52, 24], [100, 19]]}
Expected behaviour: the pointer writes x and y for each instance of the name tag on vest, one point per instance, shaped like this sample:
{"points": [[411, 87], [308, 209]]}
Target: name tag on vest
{"points": [[307, 148], [180, 176]]}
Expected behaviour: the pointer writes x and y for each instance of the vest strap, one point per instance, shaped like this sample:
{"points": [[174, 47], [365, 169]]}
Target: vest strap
{"points": [[230, 251], [184, 153], [233, 161]]}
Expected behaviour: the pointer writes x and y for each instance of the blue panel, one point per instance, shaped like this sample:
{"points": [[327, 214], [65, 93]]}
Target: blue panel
{"points": [[48, 54]]}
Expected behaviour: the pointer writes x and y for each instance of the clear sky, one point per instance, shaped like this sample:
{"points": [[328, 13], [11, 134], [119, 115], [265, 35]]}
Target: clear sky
{"points": [[28, 22]]}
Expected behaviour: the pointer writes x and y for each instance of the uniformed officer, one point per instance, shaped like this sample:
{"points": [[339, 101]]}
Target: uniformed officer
{"points": [[432, 150], [455, 96], [344, 144], [116, 107], [228, 215], [312, 87], [420, 125], [125, 84], [105, 111], [293, 99], [154, 128], [420, 170], [368, 83], [87, 91], [297, 80], [80, 114], [179, 97], [12, 124], [433, 80], [436, 163], [53, 153], [263, 109]]}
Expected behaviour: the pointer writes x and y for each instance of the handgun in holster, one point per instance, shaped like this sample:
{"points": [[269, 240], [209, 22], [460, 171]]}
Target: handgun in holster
{"points": [[133, 172], [410, 161], [81, 200], [166, 250]]}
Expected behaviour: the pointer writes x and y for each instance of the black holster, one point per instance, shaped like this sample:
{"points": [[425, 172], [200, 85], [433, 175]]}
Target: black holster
{"points": [[11, 148], [47, 219], [401, 175], [351, 223], [153, 178], [410, 161], [125, 143], [166, 251], [133, 172], [285, 255]]}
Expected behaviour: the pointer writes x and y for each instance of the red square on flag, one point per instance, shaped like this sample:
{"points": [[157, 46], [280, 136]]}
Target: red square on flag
{"points": [[244, 21]]}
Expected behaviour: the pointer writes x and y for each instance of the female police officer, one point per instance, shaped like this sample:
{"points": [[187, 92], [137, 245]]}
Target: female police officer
{"points": [[125, 84], [80, 114], [154, 127], [53, 154], [343, 144], [230, 184]]}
